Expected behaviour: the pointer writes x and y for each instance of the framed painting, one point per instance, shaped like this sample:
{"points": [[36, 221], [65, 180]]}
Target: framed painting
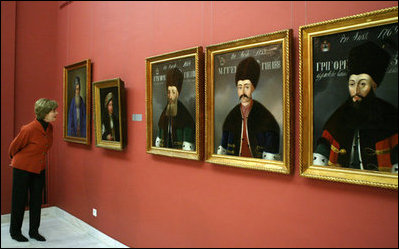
{"points": [[109, 110], [77, 95], [174, 107], [248, 103], [349, 99]]}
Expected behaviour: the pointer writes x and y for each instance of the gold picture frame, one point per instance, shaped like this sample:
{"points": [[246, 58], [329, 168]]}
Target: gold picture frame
{"points": [[76, 125], [109, 110], [180, 71], [273, 91], [327, 60]]}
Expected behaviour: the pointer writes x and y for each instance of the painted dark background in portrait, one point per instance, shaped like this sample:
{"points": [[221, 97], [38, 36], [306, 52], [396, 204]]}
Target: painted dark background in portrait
{"points": [[159, 93], [269, 90], [115, 101], [330, 76], [81, 72]]}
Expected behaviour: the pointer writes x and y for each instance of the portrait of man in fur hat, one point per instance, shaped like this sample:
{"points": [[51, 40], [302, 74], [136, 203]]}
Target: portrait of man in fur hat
{"points": [[77, 112], [176, 127], [249, 130], [363, 132], [110, 121]]}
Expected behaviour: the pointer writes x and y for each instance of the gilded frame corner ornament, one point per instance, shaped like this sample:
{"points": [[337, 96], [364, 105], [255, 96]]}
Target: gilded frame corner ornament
{"points": [[77, 131], [189, 62], [103, 92], [273, 53], [347, 32]]}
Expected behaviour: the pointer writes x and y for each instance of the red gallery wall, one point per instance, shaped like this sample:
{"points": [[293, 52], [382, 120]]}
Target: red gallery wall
{"points": [[8, 10], [28, 72], [144, 200]]}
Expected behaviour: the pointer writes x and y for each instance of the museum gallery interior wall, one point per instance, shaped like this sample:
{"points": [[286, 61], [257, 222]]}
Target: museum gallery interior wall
{"points": [[144, 200]]}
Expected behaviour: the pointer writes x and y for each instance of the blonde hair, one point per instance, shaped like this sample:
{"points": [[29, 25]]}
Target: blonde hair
{"points": [[43, 106]]}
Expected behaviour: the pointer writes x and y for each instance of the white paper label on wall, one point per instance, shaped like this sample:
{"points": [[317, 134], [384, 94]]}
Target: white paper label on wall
{"points": [[137, 117]]}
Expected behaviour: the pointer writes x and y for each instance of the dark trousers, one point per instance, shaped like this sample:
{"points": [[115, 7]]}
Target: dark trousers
{"points": [[22, 183]]}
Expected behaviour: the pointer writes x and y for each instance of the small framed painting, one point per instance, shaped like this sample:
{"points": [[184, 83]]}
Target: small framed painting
{"points": [[109, 114]]}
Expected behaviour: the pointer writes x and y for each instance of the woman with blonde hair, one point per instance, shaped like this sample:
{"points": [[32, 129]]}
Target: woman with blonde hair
{"points": [[28, 153]]}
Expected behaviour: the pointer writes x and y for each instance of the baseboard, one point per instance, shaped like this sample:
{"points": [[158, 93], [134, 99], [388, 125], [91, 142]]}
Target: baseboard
{"points": [[58, 212]]}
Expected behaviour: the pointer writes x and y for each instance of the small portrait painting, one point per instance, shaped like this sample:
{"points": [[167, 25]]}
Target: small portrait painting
{"points": [[77, 111], [109, 114], [77, 93]]}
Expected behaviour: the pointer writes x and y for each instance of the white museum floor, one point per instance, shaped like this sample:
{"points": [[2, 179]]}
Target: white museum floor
{"points": [[61, 230]]}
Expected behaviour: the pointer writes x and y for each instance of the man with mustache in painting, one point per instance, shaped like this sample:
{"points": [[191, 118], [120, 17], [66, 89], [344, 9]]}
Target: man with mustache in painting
{"points": [[363, 132], [249, 130]]}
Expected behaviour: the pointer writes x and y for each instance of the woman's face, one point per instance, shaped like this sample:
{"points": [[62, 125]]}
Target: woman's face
{"points": [[51, 116]]}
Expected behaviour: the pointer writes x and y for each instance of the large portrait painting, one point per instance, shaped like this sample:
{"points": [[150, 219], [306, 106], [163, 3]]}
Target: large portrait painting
{"points": [[248, 102], [174, 104], [77, 95], [349, 99], [110, 114]]}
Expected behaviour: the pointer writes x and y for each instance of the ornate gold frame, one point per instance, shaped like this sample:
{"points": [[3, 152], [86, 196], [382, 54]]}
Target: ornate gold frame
{"points": [[306, 35], [283, 37], [67, 69], [97, 86], [197, 54]]}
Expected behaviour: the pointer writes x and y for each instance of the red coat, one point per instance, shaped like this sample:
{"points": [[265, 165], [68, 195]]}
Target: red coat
{"points": [[28, 150]]}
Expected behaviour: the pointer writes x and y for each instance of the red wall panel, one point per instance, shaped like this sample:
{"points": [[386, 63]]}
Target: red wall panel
{"points": [[8, 16], [144, 200], [28, 72], [35, 58]]}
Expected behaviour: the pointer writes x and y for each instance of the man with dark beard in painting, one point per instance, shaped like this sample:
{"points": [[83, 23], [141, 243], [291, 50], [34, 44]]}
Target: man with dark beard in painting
{"points": [[176, 126], [77, 113], [363, 132]]}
